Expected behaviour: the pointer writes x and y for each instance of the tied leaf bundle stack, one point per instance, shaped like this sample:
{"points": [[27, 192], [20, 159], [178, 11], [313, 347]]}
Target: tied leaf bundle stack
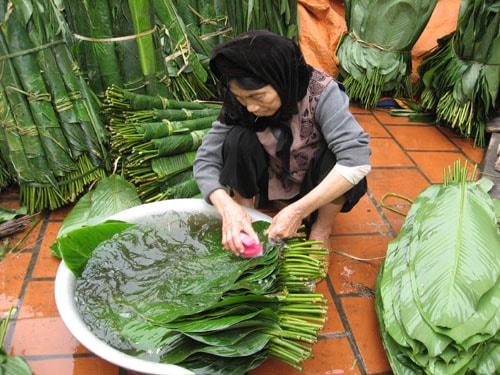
{"points": [[461, 76], [117, 42], [437, 291], [156, 139], [375, 53], [52, 139]]}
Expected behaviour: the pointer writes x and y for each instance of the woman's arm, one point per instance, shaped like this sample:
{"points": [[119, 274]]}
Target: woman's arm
{"points": [[207, 169], [349, 143], [208, 163], [235, 219]]}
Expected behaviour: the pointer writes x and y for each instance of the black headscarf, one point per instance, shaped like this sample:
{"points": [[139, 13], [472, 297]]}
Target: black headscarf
{"points": [[272, 59]]}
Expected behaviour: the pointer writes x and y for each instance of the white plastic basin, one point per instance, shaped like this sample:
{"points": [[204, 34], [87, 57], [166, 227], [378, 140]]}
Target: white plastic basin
{"points": [[156, 212]]}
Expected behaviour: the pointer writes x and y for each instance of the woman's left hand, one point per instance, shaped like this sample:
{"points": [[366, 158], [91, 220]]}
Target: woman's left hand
{"points": [[285, 223]]}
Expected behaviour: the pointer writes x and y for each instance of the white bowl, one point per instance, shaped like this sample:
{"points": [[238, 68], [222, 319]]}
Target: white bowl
{"points": [[65, 287]]}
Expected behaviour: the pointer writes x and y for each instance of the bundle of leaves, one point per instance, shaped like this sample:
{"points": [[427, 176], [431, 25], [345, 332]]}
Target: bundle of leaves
{"points": [[374, 55], [5, 176], [461, 77], [52, 139], [170, 293], [156, 139], [438, 291], [117, 42]]}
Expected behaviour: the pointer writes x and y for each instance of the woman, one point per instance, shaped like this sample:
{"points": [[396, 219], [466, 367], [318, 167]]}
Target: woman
{"points": [[285, 134]]}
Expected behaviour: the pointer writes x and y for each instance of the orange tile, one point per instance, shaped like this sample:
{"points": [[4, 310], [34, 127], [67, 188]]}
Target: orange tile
{"points": [[357, 109], [22, 241], [61, 212], [475, 154], [387, 153], [47, 264], [334, 323], [406, 182], [73, 366], [421, 137], [39, 300], [433, 164], [350, 275], [371, 125], [396, 220], [396, 207], [43, 337], [449, 132], [13, 270], [331, 356], [363, 321], [9, 200], [363, 218], [384, 116]]}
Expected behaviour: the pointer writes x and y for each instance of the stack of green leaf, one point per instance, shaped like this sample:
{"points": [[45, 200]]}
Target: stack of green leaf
{"points": [[460, 79], [156, 139], [52, 138], [189, 30], [278, 16], [5, 177], [375, 55], [117, 42], [172, 294], [438, 291]]}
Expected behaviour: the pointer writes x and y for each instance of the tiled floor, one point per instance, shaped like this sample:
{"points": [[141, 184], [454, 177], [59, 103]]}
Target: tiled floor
{"points": [[407, 157]]}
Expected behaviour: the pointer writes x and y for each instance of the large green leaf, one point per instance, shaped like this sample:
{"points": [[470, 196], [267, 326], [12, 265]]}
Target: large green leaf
{"points": [[110, 196], [438, 291], [455, 255], [77, 246]]}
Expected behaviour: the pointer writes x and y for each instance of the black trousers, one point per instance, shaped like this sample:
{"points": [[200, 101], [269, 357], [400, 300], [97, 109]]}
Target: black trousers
{"points": [[246, 166]]}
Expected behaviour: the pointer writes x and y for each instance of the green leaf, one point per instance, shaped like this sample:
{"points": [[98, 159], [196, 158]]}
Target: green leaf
{"points": [[14, 365], [110, 196], [455, 254], [438, 291], [7, 214], [77, 246]]}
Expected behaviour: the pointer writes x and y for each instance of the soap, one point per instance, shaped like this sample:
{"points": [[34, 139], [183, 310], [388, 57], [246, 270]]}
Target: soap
{"points": [[252, 249]]}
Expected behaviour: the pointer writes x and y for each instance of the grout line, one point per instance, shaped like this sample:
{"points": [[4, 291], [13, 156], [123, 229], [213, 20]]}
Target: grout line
{"points": [[336, 335], [27, 279], [350, 338], [382, 214], [59, 356]]}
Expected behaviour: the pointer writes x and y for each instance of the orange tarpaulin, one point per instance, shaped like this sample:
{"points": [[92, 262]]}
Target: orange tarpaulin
{"points": [[322, 24]]}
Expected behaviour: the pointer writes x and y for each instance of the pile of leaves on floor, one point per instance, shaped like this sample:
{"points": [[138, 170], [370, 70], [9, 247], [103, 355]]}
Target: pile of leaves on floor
{"points": [[438, 290]]}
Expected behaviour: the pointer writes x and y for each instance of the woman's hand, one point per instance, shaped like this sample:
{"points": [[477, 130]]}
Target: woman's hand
{"points": [[286, 222], [235, 219]]}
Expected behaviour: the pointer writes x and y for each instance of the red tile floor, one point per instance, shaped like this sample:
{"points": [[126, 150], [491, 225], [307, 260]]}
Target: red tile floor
{"points": [[406, 158]]}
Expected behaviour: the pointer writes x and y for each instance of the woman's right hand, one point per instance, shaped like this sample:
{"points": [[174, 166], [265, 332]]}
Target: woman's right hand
{"points": [[235, 219]]}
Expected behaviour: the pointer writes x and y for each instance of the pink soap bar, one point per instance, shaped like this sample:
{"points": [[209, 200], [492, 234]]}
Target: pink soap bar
{"points": [[252, 249]]}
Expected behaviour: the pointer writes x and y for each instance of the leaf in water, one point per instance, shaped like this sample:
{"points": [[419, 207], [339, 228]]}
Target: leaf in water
{"points": [[77, 246]]}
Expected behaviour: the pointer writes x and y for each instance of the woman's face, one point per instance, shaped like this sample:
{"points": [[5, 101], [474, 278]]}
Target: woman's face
{"points": [[262, 102]]}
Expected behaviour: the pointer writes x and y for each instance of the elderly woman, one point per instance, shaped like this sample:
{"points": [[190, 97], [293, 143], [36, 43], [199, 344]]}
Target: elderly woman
{"points": [[284, 135]]}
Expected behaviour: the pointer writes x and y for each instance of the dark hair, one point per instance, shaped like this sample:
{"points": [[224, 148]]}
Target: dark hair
{"points": [[247, 83]]}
